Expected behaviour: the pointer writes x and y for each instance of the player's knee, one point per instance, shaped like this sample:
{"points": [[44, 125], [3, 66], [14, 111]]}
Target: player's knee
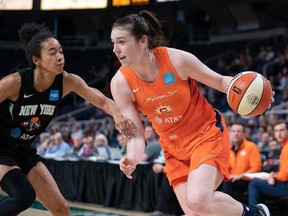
{"points": [[62, 209], [65, 208], [27, 200], [197, 203], [17, 186]]}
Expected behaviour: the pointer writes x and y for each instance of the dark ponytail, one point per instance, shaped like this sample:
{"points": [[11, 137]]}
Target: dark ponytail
{"points": [[32, 36]]}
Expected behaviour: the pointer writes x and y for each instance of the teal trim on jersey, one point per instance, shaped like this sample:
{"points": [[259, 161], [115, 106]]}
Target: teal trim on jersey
{"points": [[11, 106]]}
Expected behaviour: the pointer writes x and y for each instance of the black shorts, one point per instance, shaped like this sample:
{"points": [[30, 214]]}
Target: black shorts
{"points": [[25, 157]]}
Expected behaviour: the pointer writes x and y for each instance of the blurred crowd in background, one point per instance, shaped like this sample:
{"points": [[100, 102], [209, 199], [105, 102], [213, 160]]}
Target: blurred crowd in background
{"points": [[82, 132]]}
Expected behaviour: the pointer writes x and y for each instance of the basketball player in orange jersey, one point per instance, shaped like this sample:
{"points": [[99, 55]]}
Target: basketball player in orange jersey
{"points": [[160, 82]]}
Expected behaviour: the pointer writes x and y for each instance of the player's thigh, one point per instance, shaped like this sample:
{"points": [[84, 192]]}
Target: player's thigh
{"points": [[45, 186]]}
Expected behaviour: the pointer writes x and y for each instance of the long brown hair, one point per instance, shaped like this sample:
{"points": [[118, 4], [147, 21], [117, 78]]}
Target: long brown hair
{"points": [[143, 23]]}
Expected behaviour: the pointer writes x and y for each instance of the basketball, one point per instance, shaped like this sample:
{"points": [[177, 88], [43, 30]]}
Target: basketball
{"points": [[249, 93]]}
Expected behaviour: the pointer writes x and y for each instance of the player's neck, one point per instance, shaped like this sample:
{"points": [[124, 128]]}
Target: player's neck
{"points": [[147, 70]]}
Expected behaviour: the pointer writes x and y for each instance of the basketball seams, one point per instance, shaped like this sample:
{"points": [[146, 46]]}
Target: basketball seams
{"points": [[259, 80], [249, 93], [232, 96], [234, 79], [263, 89], [265, 101]]}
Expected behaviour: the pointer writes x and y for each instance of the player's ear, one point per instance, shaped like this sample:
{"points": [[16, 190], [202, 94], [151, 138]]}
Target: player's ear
{"points": [[144, 39], [35, 60]]}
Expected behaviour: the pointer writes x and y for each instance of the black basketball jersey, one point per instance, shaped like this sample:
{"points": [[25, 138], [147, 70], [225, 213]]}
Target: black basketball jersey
{"points": [[23, 120]]}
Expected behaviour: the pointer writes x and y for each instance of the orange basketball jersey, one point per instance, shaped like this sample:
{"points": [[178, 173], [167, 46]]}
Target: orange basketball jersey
{"points": [[175, 107]]}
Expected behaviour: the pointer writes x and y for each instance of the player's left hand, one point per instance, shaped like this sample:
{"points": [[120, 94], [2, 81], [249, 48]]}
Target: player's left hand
{"points": [[127, 166], [125, 126]]}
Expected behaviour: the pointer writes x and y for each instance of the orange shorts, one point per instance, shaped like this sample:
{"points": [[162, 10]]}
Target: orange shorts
{"points": [[184, 154]]}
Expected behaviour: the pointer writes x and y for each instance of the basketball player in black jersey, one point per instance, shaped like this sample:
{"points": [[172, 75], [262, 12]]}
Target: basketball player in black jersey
{"points": [[28, 101]]}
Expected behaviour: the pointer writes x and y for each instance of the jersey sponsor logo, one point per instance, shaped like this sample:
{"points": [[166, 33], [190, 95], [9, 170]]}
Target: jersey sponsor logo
{"points": [[15, 132], [27, 96], [168, 78], [27, 137], [135, 90], [54, 95], [31, 125], [163, 109], [158, 97], [172, 119], [30, 110], [158, 120], [168, 120]]}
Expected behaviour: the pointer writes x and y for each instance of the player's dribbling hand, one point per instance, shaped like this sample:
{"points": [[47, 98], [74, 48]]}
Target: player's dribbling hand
{"points": [[125, 126], [127, 167]]}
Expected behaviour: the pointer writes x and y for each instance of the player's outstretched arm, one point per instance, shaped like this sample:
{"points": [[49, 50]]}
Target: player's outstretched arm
{"points": [[189, 66], [76, 84]]}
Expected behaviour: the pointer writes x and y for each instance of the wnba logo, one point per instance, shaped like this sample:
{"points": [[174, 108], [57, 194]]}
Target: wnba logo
{"points": [[237, 90]]}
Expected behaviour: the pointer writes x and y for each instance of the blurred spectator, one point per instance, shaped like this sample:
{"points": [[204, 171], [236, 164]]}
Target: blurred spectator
{"points": [[109, 130], [77, 147], [122, 141], [250, 130], [276, 183], [89, 148], [117, 152], [258, 133], [244, 158], [152, 148], [271, 163], [101, 144], [282, 86], [43, 143], [57, 147], [263, 143]]}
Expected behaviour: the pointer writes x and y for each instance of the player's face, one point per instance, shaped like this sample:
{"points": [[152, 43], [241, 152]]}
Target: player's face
{"points": [[125, 47], [52, 57], [280, 132]]}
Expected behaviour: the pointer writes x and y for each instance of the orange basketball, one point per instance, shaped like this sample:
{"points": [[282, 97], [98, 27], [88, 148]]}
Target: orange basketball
{"points": [[249, 94]]}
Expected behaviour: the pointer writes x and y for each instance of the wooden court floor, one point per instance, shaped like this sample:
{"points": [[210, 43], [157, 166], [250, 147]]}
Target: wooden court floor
{"points": [[89, 210], [79, 209]]}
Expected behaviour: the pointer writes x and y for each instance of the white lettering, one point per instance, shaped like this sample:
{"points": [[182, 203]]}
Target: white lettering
{"points": [[27, 137], [172, 119], [159, 97], [28, 110], [47, 109]]}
